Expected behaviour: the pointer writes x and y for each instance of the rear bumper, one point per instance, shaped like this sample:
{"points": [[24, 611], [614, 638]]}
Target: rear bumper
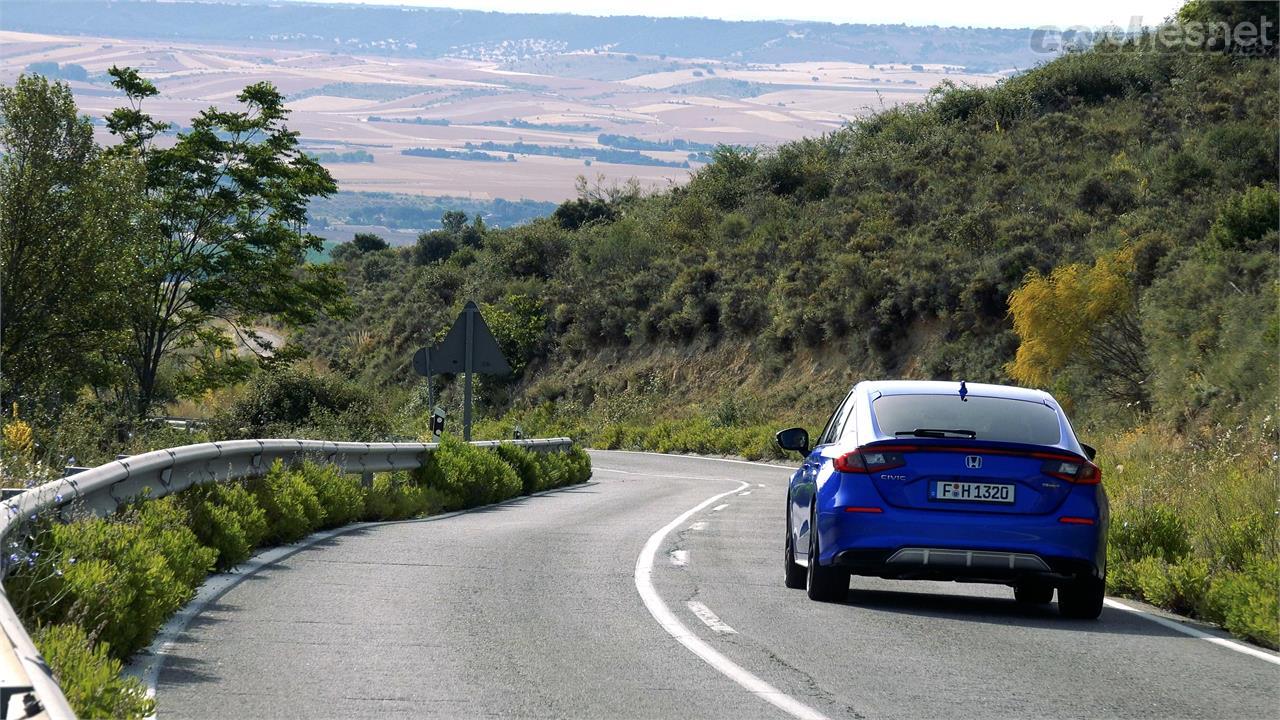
{"points": [[916, 563], [923, 544]]}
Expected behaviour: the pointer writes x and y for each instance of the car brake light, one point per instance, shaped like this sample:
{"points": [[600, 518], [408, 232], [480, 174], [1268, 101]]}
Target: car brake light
{"points": [[868, 461], [1081, 472]]}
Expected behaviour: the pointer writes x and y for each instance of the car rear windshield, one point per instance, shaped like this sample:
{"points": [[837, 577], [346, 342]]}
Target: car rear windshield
{"points": [[989, 418]]}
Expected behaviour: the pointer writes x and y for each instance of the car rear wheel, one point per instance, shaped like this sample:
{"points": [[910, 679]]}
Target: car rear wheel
{"points": [[824, 584], [794, 574], [1033, 593], [1082, 598]]}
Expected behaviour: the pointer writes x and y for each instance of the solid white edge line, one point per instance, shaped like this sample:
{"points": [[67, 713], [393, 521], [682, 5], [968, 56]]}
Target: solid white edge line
{"points": [[1194, 632], [676, 629], [147, 663]]}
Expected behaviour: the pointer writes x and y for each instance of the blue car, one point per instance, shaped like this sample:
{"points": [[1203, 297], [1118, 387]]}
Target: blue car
{"points": [[960, 481]]}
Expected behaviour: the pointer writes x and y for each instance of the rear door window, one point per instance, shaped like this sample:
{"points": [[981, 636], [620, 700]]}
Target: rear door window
{"points": [[989, 418]]}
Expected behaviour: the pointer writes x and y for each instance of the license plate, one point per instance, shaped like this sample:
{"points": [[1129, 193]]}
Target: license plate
{"points": [[975, 492]]}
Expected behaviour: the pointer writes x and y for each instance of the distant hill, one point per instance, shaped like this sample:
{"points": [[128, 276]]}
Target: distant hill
{"points": [[432, 32]]}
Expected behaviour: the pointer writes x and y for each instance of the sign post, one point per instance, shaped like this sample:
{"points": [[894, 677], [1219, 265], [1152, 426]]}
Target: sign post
{"points": [[469, 347]]}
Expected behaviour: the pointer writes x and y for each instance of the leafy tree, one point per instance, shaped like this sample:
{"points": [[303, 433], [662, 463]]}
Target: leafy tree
{"points": [[369, 242], [453, 221], [434, 246], [1082, 315], [66, 215], [231, 196]]}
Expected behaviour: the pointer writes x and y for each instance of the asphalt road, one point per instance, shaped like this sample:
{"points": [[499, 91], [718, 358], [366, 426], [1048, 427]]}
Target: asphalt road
{"points": [[533, 609]]}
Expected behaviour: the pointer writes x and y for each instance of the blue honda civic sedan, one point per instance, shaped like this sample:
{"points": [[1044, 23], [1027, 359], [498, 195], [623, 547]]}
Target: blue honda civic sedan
{"points": [[948, 481]]}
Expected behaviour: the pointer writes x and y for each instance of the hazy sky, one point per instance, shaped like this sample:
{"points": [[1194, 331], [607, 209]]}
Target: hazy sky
{"points": [[992, 13]]}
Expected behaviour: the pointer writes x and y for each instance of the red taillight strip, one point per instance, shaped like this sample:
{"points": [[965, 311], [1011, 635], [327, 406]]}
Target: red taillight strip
{"points": [[1076, 520], [863, 509], [926, 447]]}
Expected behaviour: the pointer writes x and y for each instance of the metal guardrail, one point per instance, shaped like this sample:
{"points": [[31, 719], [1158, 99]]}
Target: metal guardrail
{"points": [[103, 489]]}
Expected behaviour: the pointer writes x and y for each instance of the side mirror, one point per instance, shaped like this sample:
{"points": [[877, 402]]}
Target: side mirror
{"points": [[795, 438], [1089, 451]]}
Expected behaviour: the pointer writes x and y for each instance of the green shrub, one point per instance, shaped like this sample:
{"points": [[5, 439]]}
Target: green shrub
{"points": [[396, 497], [1178, 587], [469, 476], [1248, 603], [1154, 531], [89, 676], [167, 524], [292, 508], [107, 576], [296, 401], [227, 517], [526, 465], [1242, 539], [340, 495]]}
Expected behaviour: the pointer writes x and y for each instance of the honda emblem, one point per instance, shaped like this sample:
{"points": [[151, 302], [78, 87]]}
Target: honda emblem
{"points": [[973, 462]]}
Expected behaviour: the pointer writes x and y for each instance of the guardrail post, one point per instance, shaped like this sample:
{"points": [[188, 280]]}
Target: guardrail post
{"points": [[366, 479]]}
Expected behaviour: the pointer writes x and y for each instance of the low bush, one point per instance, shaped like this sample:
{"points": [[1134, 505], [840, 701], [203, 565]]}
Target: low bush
{"points": [[292, 508], [166, 523], [340, 496], [395, 497], [107, 576], [1155, 531], [227, 518], [468, 476], [527, 467], [89, 675], [1247, 603]]}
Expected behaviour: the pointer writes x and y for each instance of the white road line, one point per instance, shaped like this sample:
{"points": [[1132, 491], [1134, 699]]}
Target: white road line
{"points": [[748, 492], [760, 485], [676, 629], [679, 558], [700, 525], [719, 507], [710, 619], [1194, 632]]}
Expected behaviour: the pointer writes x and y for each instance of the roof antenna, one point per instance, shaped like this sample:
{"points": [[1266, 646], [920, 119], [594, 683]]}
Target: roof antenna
{"points": [[963, 392]]}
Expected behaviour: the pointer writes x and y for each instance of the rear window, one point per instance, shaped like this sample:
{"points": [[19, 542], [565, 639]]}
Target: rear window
{"points": [[989, 418]]}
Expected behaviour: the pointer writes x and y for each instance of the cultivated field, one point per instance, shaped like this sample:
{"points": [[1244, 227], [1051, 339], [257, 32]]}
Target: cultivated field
{"points": [[344, 103]]}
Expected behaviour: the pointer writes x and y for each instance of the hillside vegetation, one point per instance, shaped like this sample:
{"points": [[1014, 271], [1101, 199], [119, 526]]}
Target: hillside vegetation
{"points": [[1104, 226]]}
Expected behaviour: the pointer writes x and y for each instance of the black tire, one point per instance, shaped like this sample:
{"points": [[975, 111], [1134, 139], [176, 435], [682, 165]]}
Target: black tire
{"points": [[823, 584], [793, 572], [1033, 593], [1082, 599]]}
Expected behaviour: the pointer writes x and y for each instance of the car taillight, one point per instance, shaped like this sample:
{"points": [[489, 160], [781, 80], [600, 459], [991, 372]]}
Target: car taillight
{"points": [[1081, 472], [868, 461]]}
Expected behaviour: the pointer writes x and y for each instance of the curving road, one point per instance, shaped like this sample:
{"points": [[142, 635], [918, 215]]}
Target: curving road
{"points": [[546, 607]]}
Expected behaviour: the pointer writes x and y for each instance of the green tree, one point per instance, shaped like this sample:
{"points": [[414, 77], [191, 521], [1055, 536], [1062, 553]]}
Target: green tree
{"points": [[369, 242], [231, 195], [453, 221], [66, 214]]}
